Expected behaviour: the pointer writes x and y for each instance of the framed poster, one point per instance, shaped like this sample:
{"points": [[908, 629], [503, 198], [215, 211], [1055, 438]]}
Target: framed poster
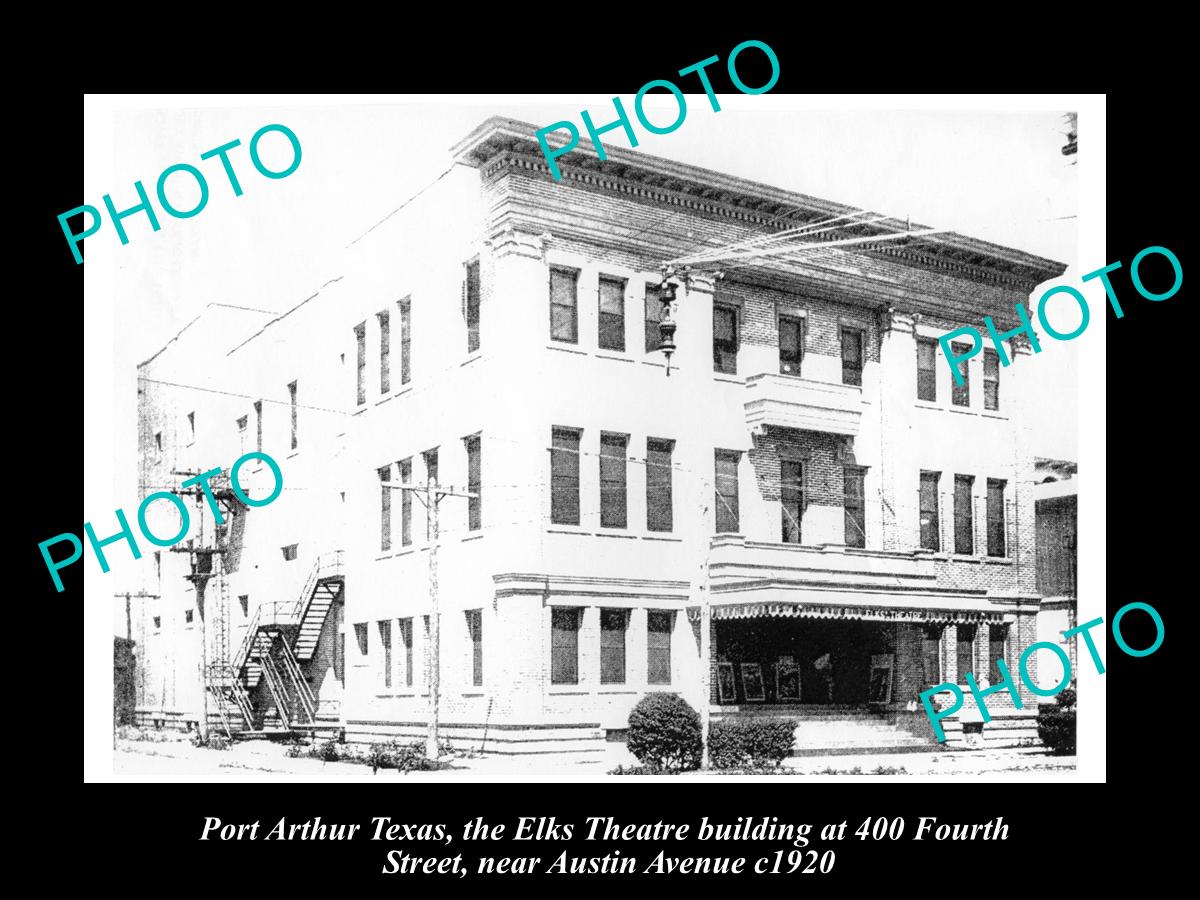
{"points": [[726, 684], [787, 679], [880, 692], [752, 682]]}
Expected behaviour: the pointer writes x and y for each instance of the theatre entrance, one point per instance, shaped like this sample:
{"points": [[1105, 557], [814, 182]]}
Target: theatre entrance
{"points": [[798, 660]]}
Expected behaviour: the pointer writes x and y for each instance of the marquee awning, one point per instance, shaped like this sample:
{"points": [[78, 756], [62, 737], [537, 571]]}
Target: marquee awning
{"points": [[858, 606]]}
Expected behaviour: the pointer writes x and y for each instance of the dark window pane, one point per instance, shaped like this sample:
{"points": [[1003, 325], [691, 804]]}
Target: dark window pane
{"points": [[405, 341], [852, 356], [406, 503], [966, 653], [725, 339], [659, 501], [385, 641], [295, 408], [360, 340], [431, 477], [564, 477], [564, 646], [991, 379], [964, 528], [855, 508], [960, 395], [406, 639], [930, 521], [931, 667], [653, 316], [474, 484], [658, 646], [612, 314], [997, 641], [926, 370], [563, 305], [726, 499], [385, 509], [612, 645], [385, 352], [791, 344], [475, 630], [612, 480], [995, 517], [472, 306], [791, 496]]}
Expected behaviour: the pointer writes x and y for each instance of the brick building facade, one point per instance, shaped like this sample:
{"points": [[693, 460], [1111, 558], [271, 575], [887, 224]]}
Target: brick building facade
{"points": [[863, 529]]}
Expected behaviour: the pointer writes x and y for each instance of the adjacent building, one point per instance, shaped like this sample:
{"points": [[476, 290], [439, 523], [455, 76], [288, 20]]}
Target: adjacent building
{"points": [[862, 528]]}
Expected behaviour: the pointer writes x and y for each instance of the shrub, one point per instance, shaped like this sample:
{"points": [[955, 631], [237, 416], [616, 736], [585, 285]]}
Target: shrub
{"points": [[215, 741], [1056, 724], [664, 733], [738, 743], [328, 751]]}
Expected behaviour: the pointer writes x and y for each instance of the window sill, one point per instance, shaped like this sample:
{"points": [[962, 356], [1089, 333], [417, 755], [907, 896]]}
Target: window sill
{"points": [[615, 355], [473, 693], [473, 536], [963, 557], [567, 348], [998, 560], [616, 533], [473, 356], [729, 379], [961, 410], [568, 529], [568, 690], [994, 414], [362, 408], [293, 454], [665, 536], [620, 690]]}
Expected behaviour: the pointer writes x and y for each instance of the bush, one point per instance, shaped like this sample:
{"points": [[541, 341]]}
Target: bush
{"points": [[1056, 724], [664, 733], [740, 743], [215, 741]]}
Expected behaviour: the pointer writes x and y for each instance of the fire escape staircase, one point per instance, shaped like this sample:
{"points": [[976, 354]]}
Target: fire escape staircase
{"points": [[280, 639]]}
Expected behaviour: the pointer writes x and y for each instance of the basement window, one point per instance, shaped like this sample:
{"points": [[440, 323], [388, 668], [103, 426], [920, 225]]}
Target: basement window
{"points": [[290, 551]]}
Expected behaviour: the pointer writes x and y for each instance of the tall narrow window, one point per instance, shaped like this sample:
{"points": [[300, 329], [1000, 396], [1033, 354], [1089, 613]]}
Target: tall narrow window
{"points": [[385, 351], [997, 645], [564, 324], [292, 401], [406, 503], [612, 480], [659, 500], [564, 645], [385, 509], [564, 476], [191, 420], [931, 538], [791, 499], [406, 639], [653, 307], [258, 425], [472, 305], [931, 657], [855, 507], [658, 646], [158, 441], [612, 313], [725, 339], [966, 653], [991, 379], [385, 641], [426, 656], [474, 483], [405, 341], [964, 521], [791, 344], [475, 631], [613, 623], [431, 478], [995, 517], [852, 355], [360, 340], [241, 428], [960, 394], [926, 370], [726, 483]]}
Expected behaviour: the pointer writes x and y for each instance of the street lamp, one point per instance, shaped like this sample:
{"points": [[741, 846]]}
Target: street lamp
{"points": [[667, 325]]}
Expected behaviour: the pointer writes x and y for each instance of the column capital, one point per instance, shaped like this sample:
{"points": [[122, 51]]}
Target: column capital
{"points": [[900, 321], [510, 242]]}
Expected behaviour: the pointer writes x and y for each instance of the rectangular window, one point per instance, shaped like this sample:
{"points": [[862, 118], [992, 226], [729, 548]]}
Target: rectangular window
{"points": [[659, 501], [187, 616], [791, 499], [241, 428], [564, 320], [258, 425], [612, 480], [997, 644], [360, 339], [612, 313], [475, 631], [385, 351], [472, 290], [474, 483], [926, 370], [653, 316], [406, 503], [244, 602], [931, 657], [295, 413], [658, 646], [406, 639], [191, 419], [966, 653], [960, 394], [426, 658], [726, 483], [855, 507], [385, 641], [991, 379], [613, 623], [339, 658], [405, 340], [360, 637], [431, 477], [995, 517], [564, 645], [964, 521], [852, 355], [158, 622], [564, 476], [385, 509], [158, 441], [791, 344], [725, 339], [290, 552], [931, 538]]}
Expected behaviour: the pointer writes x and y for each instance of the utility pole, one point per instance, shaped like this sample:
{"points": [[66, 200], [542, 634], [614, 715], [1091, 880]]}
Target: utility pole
{"points": [[703, 586]]}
